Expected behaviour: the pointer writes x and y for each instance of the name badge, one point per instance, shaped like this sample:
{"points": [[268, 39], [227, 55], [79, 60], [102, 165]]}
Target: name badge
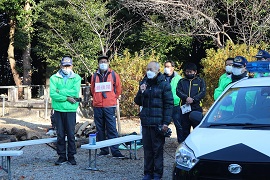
{"points": [[103, 87], [185, 108]]}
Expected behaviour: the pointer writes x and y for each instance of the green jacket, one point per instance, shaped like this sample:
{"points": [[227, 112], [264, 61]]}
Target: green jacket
{"points": [[174, 83], [222, 77], [223, 83], [59, 91]]}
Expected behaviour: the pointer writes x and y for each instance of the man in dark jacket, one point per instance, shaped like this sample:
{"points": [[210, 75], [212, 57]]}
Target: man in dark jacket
{"points": [[155, 97], [191, 90]]}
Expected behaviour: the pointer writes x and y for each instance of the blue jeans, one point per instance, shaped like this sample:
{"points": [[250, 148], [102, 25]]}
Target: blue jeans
{"points": [[105, 121], [65, 124], [177, 122]]}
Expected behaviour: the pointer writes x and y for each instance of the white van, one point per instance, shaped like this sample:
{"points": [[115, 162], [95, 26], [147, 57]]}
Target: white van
{"points": [[232, 140]]}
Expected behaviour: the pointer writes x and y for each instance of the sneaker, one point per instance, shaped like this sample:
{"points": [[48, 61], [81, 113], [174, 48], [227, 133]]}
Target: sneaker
{"points": [[72, 161], [103, 153], [119, 156], [60, 161], [147, 177]]}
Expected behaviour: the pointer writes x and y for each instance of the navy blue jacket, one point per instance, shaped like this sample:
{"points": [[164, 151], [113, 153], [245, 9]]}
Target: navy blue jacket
{"points": [[156, 101], [194, 88]]}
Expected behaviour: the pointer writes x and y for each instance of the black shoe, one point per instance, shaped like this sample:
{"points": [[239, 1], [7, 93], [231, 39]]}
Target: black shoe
{"points": [[60, 161], [119, 156], [103, 153], [72, 161]]}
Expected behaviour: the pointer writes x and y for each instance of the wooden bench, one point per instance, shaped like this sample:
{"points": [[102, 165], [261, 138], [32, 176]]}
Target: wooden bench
{"points": [[6, 158], [21, 144], [107, 143]]}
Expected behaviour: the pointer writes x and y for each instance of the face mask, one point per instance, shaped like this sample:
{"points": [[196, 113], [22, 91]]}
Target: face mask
{"points": [[237, 71], [167, 71], [103, 66], [150, 74], [190, 76], [66, 71], [229, 69]]}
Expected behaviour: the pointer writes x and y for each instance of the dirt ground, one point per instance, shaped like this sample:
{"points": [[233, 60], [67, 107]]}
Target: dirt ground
{"points": [[36, 126]]}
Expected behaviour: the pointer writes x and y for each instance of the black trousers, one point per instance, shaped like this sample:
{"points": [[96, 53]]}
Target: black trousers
{"points": [[187, 123], [153, 144], [65, 125]]}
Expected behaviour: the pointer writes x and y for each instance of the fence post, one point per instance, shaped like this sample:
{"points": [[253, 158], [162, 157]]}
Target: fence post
{"points": [[13, 94], [27, 93], [3, 105]]}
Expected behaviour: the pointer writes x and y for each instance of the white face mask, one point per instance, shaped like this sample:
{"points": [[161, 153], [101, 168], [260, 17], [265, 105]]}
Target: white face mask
{"points": [[167, 71], [237, 71], [103, 66], [66, 71], [150, 74], [229, 69]]}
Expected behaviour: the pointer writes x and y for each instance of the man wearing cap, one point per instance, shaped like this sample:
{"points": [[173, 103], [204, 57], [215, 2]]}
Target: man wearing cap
{"points": [[239, 71], [64, 91], [106, 89], [262, 56], [191, 90]]}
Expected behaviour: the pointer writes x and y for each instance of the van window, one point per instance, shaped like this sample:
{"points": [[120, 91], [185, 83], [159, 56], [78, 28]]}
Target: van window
{"points": [[242, 105]]}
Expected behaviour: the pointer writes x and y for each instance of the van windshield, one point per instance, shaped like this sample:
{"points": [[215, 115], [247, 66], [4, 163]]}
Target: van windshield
{"points": [[241, 106]]}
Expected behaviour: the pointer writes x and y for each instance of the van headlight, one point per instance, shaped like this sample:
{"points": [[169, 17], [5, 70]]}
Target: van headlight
{"points": [[185, 157]]}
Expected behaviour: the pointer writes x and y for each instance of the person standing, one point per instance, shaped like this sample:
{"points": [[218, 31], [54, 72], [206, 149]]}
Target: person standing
{"points": [[239, 70], [191, 90], [64, 91], [224, 78], [173, 77], [262, 55], [156, 99], [106, 89]]}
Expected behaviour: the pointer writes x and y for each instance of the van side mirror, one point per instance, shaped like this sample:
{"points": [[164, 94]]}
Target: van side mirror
{"points": [[196, 117]]}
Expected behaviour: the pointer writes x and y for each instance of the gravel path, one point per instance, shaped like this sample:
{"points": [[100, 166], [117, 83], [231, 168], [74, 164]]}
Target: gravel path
{"points": [[37, 162]]}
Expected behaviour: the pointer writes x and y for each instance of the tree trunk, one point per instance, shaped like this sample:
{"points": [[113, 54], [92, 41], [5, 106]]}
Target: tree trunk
{"points": [[27, 69], [11, 57]]}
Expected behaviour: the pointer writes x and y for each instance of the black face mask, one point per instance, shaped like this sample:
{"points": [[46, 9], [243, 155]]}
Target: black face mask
{"points": [[190, 76]]}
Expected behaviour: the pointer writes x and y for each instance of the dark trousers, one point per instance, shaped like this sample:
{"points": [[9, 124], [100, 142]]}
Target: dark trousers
{"points": [[153, 144], [177, 123], [105, 121], [65, 124], [187, 123]]}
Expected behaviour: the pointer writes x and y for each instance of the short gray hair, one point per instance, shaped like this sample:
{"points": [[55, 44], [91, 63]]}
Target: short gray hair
{"points": [[157, 65]]}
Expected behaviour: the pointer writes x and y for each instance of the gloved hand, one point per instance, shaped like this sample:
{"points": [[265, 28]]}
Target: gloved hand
{"points": [[71, 100]]}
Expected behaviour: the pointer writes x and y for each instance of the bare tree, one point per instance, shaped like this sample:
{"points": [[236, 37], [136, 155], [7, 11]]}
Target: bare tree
{"points": [[106, 27], [249, 20]]}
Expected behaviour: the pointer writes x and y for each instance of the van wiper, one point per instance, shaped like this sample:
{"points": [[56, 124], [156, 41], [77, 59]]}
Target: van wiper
{"points": [[230, 124], [257, 126]]}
